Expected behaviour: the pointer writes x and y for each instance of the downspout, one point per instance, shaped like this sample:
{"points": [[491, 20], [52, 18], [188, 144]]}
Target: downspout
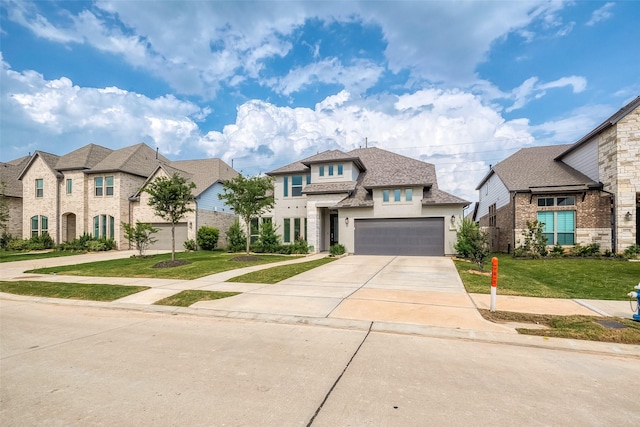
{"points": [[195, 224], [513, 216], [131, 199], [614, 240], [58, 219]]}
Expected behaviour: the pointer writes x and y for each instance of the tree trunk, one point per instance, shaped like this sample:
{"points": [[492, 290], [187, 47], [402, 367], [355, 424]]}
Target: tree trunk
{"points": [[248, 222], [173, 241]]}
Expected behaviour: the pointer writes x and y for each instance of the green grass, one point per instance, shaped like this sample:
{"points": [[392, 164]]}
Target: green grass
{"points": [[10, 256], [282, 272], [201, 263], [81, 291], [555, 278], [573, 327], [186, 298]]}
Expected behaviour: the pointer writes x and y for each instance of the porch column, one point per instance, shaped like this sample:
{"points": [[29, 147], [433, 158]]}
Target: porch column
{"points": [[313, 226]]}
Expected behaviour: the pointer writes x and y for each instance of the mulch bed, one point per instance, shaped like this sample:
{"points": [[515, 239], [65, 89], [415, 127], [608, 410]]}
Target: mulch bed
{"points": [[169, 263]]}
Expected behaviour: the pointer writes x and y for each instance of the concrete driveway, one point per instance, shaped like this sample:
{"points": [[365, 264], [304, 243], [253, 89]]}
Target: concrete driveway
{"points": [[398, 289]]}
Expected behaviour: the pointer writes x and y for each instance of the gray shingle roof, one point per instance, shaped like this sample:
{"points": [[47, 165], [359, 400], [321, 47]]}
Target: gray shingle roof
{"points": [[330, 188], [536, 167], [303, 165], [9, 173], [203, 172], [139, 159], [387, 169], [83, 158], [49, 159], [435, 196]]}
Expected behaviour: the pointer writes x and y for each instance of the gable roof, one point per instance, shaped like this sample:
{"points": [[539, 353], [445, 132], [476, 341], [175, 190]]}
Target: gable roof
{"points": [[49, 159], [385, 169], [139, 159], [9, 173], [83, 158], [611, 121], [536, 168]]}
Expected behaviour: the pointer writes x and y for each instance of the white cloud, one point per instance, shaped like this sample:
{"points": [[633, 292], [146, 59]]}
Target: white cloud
{"points": [[451, 129], [56, 113], [197, 46], [601, 14], [533, 89]]}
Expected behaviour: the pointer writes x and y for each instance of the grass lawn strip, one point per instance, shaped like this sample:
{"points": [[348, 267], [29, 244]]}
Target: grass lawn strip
{"points": [[11, 256], [79, 291], [277, 274], [573, 327], [555, 278], [201, 263], [186, 298]]}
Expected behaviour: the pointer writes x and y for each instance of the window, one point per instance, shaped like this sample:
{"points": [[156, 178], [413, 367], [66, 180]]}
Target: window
{"points": [[396, 195], [308, 179], [340, 170], [102, 224], [492, 215], [69, 185], [408, 194], [566, 201], [34, 226], [546, 201], [286, 186], [287, 230], [109, 180], [296, 186], [385, 195], [296, 228], [98, 183], [321, 170], [39, 187], [254, 230], [559, 227], [330, 170], [39, 225]]}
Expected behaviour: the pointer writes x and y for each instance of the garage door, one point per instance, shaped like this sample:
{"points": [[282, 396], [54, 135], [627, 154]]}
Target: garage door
{"points": [[163, 236], [401, 236]]}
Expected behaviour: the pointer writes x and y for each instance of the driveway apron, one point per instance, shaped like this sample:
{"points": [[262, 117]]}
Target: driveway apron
{"points": [[398, 289]]}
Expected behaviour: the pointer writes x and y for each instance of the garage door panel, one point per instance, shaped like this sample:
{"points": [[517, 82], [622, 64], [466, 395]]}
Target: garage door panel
{"points": [[163, 236], [400, 236]]}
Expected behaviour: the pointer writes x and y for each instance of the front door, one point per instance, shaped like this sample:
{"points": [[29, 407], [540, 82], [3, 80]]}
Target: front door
{"points": [[333, 229]]}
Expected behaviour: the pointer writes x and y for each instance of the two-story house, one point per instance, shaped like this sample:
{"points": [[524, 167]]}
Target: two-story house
{"points": [[94, 189], [370, 200], [585, 192]]}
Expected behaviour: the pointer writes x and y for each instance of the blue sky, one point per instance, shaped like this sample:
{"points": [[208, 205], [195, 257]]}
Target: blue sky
{"points": [[265, 83]]}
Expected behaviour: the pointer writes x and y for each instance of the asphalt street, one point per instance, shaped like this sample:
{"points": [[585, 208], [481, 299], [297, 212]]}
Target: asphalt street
{"points": [[66, 365]]}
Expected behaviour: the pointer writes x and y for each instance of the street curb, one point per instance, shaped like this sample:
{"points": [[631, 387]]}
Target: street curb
{"points": [[503, 338]]}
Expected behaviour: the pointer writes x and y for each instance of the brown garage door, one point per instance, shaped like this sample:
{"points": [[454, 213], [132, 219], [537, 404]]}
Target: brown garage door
{"points": [[400, 236], [163, 236]]}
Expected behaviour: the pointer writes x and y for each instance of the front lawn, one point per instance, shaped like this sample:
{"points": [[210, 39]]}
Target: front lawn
{"points": [[81, 291], [278, 274], [188, 297], [201, 263], [10, 256], [555, 278], [626, 331]]}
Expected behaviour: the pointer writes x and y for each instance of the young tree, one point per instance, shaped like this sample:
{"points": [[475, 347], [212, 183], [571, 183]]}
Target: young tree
{"points": [[141, 235], [171, 200], [249, 198], [472, 243]]}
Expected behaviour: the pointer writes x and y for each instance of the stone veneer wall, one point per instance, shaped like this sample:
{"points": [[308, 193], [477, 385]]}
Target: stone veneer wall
{"points": [[14, 224], [45, 205], [619, 170], [220, 220]]}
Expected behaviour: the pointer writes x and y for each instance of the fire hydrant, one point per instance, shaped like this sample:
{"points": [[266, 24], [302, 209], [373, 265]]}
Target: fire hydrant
{"points": [[636, 294]]}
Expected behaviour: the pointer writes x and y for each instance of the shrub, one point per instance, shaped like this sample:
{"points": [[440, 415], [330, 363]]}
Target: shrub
{"points": [[207, 238], [632, 251], [557, 250], [237, 241], [472, 243], [300, 246], [337, 249], [535, 243], [590, 250], [268, 240], [87, 243], [190, 245], [5, 239]]}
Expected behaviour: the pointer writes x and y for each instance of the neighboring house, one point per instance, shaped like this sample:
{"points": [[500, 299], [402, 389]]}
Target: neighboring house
{"points": [[370, 200], [586, 192], [93, 189], [11, 190], [208, 210]]}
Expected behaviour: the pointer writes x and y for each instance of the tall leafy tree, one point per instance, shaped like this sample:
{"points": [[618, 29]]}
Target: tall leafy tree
{"points": [[171, 200], [249, 197]]}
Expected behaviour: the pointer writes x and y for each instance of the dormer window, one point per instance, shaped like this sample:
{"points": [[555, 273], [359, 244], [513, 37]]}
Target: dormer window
{"points": [[330, 170], [321, 170], [340, 170]]}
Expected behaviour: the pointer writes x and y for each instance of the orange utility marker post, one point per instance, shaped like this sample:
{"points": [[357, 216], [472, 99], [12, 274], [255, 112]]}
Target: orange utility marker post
{"points": [[494, 282]]}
